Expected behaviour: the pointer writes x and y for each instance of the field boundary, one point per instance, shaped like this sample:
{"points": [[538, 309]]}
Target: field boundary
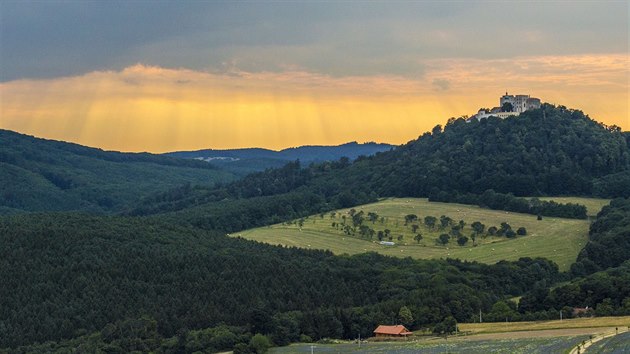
{"points": [[583, 347]]}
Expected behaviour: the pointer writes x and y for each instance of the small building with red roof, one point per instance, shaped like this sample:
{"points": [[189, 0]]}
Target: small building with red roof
{"points": [[392, 331]]}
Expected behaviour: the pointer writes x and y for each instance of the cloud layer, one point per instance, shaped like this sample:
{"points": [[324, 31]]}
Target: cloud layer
{"points": [[144, 107]]}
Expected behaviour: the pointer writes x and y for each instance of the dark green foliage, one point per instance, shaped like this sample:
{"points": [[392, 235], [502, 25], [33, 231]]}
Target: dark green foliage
{"points": [[607, 292], [499, 201], [66, 275], [410, 218], [430, 221], [42, 175], [609, 239], [613, 186], [447, 326], [547, 151]]}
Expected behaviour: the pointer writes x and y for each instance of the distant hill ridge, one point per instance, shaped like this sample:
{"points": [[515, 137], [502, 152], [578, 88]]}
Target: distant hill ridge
{"points": [[247, 160]]}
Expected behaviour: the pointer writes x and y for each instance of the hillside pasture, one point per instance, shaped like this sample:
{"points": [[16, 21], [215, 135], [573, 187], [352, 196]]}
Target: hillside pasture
{"points": [[557, 239], [593, 205]]}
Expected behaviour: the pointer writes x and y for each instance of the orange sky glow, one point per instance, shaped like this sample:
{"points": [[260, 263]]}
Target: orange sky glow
{"points": [[157, 109]]}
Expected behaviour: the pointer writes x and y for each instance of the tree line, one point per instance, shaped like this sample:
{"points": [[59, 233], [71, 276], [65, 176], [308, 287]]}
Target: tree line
{"points": [[508, 202]]}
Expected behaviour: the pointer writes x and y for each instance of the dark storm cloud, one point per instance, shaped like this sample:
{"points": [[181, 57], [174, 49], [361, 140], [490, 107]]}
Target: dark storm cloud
{"points": [[50, 39]]}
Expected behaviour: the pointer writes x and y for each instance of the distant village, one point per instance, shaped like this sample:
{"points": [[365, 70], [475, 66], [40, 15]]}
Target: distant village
{"points": [[509, 105]]}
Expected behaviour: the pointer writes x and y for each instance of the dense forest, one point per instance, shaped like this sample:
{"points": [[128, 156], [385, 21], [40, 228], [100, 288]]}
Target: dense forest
{"points": [[66, 274], [159, 273], [547, 151], [609, 240]]}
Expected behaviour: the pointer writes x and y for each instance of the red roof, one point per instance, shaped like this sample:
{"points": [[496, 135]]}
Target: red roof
{"points": [[394, 330]]}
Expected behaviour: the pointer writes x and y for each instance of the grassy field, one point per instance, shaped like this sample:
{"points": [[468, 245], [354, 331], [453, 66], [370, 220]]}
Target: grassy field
{"points": [[587, 322], [554, 238]]}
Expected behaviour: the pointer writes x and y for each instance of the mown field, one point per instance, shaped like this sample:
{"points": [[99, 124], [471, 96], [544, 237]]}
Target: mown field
{"points": [[557, 239], [586, 322]]}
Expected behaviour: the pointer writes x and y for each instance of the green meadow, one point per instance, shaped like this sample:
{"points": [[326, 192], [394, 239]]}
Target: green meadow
{"points": [[557, 239]]}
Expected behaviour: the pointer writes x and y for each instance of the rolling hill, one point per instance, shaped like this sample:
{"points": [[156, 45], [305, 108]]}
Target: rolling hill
{"points": [[47, 175]]}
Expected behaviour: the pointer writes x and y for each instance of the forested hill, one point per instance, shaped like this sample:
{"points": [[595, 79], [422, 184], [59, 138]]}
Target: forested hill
{"points": [[243, 161], [552, 151], [548, 151], [38, 174]]}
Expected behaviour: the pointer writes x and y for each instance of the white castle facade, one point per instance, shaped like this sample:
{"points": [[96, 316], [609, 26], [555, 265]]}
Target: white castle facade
{"points": [[509, 105]]}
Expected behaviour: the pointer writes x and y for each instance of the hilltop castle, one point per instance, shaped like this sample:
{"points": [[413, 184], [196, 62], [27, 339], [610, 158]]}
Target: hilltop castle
{"points": [[509, 105]]}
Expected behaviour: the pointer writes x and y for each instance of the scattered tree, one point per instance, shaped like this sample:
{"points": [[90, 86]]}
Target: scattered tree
{"points": [[430, 221], [444, 238], [410, 218], [445, 221]]}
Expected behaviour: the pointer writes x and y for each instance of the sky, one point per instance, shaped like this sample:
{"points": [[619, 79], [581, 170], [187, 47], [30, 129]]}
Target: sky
{"points": [[163, 76]]}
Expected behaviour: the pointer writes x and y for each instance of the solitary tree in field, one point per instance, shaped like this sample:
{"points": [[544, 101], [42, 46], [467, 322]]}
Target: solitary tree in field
{"points": [[430, 221], [372, 216], [418, 237], [410, 218], [380, 235], [414, 228], [387, 232], [444, 238], [478, 227], [456, 230], [445, 221], [462, 240], [505, 227], [521, 231]]}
